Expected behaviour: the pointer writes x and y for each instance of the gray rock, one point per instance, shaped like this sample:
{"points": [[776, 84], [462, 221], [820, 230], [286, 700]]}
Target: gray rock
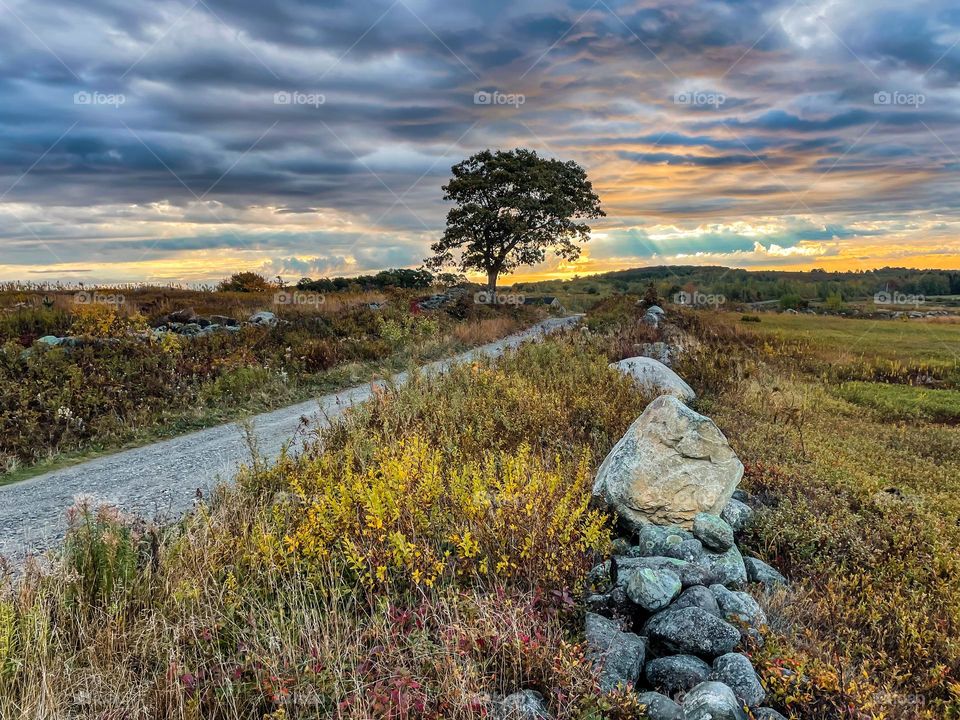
{"points": [[523, 705], [676, 673], [698, 596], [679, 548], [224, 321], [264, 318], [658, 351], [737, 514], [616, 654], [712, 700], [49, 340], [671, 464], [651, 320], [725, 568], [693, 631], [652, 588], [656, 310], [738, 606], [741, 495], [713, 532], [759, 572], [689, 573], [736, 672], [660, 707], [767, 714], [654, 377]]}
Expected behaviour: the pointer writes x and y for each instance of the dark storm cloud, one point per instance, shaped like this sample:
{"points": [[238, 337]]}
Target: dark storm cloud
{"points": [[381, 103]]}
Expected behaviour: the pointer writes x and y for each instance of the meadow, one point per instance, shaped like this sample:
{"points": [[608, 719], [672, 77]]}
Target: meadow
{"points": [[124, 383]]}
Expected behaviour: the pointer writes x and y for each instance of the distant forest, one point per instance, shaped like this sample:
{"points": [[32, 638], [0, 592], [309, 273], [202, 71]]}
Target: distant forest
{"points": [[760, 285]]}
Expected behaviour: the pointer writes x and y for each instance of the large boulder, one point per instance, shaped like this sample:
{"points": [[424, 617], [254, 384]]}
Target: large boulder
{"points": [[655, 377], [691, 631], [712, 700], [616, 654], [670, 465]]}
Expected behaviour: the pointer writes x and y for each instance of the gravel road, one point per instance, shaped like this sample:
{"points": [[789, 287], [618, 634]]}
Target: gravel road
{"points": [[162, 479]]}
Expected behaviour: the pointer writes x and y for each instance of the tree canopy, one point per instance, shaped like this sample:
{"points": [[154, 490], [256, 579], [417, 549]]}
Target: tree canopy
{"points": [[511, 208]]}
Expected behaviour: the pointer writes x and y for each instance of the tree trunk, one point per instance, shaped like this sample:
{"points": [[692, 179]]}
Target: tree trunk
{"points": [[492, 281]]}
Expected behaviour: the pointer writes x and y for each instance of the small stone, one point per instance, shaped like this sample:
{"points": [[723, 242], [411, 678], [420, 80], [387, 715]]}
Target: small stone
{"points": [[726, 568], [49, 340], [713, 532], [738, 606], [737, 514], [759, 572], [523, 705], [680, 548], [698, 596], [691, 631], [616, 654], [765, 713], [712, 700], [660, 707], [736, 672], [653, 589], [741, 495], [676, 673]]}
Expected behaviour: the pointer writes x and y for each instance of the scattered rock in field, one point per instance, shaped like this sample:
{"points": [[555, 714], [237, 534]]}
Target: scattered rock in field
{"points": [[617, 655], [737, 514], [713, 532], [660, 707], [671, 464], [692, 630], [523, 705], [676, 673], [738, 606], [651, 320], [712, 700], [759, 572], [656, 310], [698, 596], [736, 672], [654, 377], [224, 321], [264, 318], [50, 341], [658, 351], [184, 315], [652, 589], [726, 568]]}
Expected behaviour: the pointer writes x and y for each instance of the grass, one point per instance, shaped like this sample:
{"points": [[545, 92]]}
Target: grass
{"points": [[903, 402]]}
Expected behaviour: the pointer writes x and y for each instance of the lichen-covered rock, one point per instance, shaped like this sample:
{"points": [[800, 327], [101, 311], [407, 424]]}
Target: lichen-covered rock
{"points": [[617, 655], [660, 707], [698, 596], [671, 464], [652, 588], [654, 377], [676, 673], [713, 532], [737, 514], [738, 606], [692, 631], [759, 572], [712, 700], [765, 713], [523, 705], [726, 568], [736, 672], [601, 576]]}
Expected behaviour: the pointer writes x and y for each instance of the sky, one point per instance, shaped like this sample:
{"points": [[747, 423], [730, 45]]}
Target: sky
{"points": [[180, 141]]}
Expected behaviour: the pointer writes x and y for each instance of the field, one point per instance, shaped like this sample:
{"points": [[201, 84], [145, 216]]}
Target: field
{"points": [[428, 553], [124, 382]]}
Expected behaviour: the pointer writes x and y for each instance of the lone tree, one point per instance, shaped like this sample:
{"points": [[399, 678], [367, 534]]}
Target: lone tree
{"points": [[511, 208]]}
